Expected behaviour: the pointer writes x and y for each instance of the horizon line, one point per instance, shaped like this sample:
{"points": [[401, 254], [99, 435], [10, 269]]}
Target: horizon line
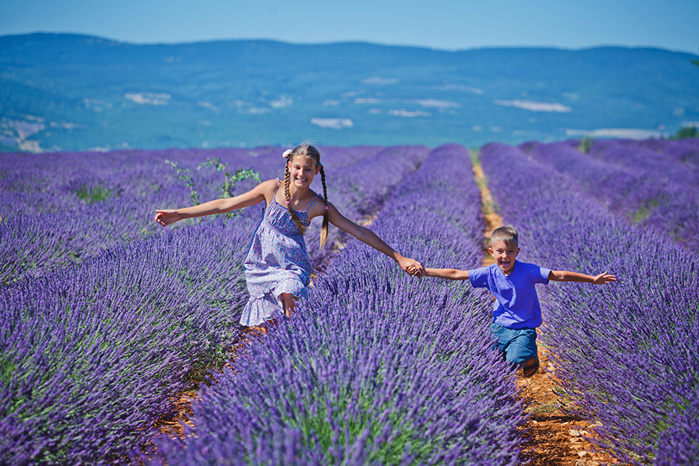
{"points": [[341, 42]]}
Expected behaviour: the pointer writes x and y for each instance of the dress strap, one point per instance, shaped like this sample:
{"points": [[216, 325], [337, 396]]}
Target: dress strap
{"points": [[274, 198], [314, 199]]}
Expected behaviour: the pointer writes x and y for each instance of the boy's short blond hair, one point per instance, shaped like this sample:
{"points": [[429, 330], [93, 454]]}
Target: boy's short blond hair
{"points": [[506, 234]]}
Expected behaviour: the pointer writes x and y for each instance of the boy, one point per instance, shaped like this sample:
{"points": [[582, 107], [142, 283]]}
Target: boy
{"points": [[516, 311]]}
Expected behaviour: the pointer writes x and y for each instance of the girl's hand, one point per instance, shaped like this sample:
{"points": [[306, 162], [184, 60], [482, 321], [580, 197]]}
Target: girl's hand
{"points": [[167, 217], [603, 279]]}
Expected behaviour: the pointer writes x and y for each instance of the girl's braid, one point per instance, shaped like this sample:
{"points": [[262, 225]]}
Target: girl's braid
{"points": [[324, 229], [294, 217]]}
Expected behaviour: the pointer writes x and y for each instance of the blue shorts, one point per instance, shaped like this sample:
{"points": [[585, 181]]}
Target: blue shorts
{"points": [[516, 345]]}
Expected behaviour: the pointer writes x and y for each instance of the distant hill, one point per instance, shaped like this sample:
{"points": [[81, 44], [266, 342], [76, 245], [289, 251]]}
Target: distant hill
{"points": [[71, 92]]}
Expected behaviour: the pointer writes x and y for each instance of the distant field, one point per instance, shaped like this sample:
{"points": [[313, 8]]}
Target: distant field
{"points": [[61, 92]]}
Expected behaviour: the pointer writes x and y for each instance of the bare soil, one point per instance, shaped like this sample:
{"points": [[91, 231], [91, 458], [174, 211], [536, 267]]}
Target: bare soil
{"points": [[173, 423], [552, 437]]}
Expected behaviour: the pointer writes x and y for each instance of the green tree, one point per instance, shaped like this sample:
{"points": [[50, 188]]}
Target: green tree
{"points": [[687, 132]]}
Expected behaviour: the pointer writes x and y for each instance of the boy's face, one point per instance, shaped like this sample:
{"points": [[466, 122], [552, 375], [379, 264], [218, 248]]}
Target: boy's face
{"points": [[504, 254]]}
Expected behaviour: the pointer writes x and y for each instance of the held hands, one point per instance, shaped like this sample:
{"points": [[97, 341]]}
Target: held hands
{"points": [[411, 266], [416, 271], [167, 217], [603, 279]]}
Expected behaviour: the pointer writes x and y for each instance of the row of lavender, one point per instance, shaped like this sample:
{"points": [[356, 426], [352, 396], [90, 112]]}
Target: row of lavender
{"points": [[684, 150], [91, 354], [628, 353], [653, 182], [376, 367], [61, 208]]}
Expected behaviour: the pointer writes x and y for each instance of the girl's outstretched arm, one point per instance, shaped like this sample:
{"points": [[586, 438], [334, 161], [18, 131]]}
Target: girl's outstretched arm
{"points": [[367, 236], [258, 194], [565, 276]]}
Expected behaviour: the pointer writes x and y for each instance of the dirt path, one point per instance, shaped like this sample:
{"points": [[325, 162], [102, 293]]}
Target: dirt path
{"points": [[555, 438], [173, 423], [552, 438]]}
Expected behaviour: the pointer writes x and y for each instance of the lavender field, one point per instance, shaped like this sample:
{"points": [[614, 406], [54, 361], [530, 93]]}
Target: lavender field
{"points": [[104, 317]]}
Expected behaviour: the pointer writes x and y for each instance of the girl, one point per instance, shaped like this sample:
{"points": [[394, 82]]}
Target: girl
{"points": [[277, 267]]}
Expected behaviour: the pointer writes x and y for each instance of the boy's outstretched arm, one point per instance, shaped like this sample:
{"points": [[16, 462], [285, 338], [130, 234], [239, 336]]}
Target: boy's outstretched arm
{"points": [[565, 276], [447, 274]]}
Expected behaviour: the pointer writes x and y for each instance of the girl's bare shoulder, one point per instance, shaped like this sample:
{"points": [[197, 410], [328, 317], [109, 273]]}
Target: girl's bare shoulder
{"points": [[268, 184], [267, 189]]}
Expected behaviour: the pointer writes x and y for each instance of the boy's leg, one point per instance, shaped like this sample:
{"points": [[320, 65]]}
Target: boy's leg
{"points": [[502, 335], [522, 351]]}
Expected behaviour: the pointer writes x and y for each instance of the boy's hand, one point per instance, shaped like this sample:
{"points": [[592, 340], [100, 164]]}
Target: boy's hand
{"points": [[603, 279]]}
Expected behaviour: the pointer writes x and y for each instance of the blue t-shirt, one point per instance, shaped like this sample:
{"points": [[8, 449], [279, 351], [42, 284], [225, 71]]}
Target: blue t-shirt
{"points": [[517, 304]]}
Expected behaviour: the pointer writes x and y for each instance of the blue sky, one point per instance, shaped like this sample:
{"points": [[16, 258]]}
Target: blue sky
{"points": [[444, 24]]}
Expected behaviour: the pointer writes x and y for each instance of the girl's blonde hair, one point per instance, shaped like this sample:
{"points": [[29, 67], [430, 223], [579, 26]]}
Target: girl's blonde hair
{"points": [[308, 151]]}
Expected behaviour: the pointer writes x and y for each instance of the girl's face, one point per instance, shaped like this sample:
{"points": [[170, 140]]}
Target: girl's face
{"points": [[302, 169]]}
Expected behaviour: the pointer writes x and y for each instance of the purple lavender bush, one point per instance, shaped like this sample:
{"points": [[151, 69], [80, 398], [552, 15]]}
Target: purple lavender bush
{"points": [[646, 187], [358, 186], [61, 208], [627, 353], [673, 166], [684, 150], [633, 155], [679, 443], [92, 354], [375, 367]]}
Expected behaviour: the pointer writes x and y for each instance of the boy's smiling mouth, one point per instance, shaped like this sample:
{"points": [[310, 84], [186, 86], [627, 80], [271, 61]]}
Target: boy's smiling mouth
{"points": [[506, 265]]}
